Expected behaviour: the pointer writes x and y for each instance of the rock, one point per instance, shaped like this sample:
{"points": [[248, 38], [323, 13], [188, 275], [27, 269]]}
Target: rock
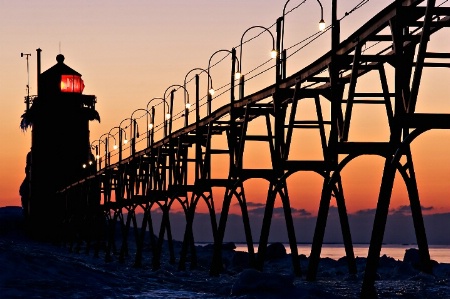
{"points": [[225, 246], [253, 281], [442, 270], [240, 260], [229, 246], [412, 257], [386, 261], [406, 270], [302, 257], [275, 251], [423, 277], [11, 220]]}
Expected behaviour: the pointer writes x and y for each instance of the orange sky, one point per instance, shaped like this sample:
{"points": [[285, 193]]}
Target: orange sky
{"points": [[129, 52]]}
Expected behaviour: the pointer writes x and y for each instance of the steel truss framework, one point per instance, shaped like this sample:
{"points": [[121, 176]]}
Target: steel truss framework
{"points": [[159, 174]]}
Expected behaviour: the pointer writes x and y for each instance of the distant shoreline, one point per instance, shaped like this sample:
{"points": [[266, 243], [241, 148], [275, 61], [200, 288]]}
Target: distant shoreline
{"points": [[438, 252]]}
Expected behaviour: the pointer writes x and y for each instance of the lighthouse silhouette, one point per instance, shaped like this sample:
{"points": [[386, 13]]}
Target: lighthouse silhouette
{"points": [[60, 148]]}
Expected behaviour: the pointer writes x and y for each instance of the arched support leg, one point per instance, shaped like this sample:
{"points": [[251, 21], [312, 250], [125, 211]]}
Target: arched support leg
{"points": [[216, 263], [170, 240], [247, 228], [112, 222], [135, 229], [290, 228], [188, 238], [379, 225], [345, 227], [408, 174], [319, 231], [140, 243], [265, 229], [212, 215], [147, 220], [416, 211], [109, 235], [331, 185], [126, 229], [156, 263]]}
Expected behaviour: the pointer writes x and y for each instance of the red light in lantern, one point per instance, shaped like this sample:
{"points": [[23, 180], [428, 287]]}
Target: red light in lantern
{"points": [[72, 83]]}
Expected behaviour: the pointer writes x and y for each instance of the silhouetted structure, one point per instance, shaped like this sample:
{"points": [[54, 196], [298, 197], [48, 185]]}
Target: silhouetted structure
{"points": [[24, 189], [177, 168], [59, 117]]}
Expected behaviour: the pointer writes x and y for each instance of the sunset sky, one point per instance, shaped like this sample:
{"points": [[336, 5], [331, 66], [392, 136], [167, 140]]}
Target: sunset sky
{"points": [[129, 52]]}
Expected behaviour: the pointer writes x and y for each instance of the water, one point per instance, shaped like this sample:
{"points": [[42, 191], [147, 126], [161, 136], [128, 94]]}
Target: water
{"points": [[439, 253]]}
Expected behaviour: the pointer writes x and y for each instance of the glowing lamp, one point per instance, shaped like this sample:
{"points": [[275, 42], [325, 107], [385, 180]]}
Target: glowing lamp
{"points": [[273, 53], [212, 91], [237, 75], [71, 83], [188, 106], [322, 25]]}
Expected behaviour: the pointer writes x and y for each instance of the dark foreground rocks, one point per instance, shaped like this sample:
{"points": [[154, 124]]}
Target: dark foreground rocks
{"points": [[32, 269]]}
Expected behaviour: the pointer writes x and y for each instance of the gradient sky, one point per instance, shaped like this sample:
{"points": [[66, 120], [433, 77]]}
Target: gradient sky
{"points": [[131, 51]]}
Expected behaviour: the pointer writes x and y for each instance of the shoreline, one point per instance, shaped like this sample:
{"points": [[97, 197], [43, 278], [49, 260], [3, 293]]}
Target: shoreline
{"points": [[34, 269]]}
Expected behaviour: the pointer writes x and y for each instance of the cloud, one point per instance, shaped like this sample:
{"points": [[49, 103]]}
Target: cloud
{"points": [[257, 211], [406, 210], [251, 205], [301, 213], [278, 212], [366, 212], [399, 226]]}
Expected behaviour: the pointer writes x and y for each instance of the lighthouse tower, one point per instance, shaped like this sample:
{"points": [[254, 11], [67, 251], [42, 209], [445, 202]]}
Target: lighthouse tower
{"points": [[60, 148]]}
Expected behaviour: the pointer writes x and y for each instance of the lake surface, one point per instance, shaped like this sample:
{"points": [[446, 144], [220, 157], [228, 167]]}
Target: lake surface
{"points": [[439, 253]]}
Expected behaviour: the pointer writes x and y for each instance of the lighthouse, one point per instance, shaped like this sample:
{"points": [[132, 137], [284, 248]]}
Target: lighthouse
{"points": [[59, 118]]}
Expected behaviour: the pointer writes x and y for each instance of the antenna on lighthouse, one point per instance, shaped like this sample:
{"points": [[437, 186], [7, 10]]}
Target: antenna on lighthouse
{"points": [[27, 100]]}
